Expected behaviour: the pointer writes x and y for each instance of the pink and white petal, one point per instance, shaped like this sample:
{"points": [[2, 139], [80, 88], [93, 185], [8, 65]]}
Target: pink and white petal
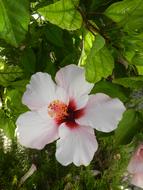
{"points": [[33, 131], [137, 180], [102, 112], [136, 162], [135, 165], [81, 101], [40, 91], [72, 79], [76, 145], [61, 95]]}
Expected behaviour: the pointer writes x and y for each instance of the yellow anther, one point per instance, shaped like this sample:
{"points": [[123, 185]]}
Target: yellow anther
{"points": [[57, 109]]}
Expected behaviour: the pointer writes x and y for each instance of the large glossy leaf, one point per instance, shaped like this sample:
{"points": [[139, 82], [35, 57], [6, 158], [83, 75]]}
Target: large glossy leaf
{"points": [[99, 61], [128, 127], [128, 13], [63, 13], [14, 20]]}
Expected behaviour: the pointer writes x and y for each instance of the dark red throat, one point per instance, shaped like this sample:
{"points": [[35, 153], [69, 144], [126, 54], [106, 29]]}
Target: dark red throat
{"points": [[72, 115]]}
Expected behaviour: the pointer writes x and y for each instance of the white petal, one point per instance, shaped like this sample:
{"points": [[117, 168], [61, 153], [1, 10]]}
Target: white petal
{"points": [[102, 112], [61, 95], [76, 145], [34, 131], [72, 79], [40, 91]]}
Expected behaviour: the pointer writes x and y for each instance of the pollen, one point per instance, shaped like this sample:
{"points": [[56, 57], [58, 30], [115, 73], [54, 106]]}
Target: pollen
{"points": [[58, 110]]}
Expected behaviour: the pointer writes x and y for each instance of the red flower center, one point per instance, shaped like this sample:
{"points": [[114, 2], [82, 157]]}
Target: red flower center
{"points": [[63, 113]]}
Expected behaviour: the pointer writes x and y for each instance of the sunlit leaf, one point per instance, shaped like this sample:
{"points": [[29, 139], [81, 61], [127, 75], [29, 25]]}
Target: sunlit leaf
{"points": [[87, 45], [140, 70], [100, 62], [138, 59], [128, 13], [63, 13]]}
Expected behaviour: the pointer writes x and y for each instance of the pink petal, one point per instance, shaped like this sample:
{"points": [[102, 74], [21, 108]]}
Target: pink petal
{"points": [[40, 91], [72, 79], [34, 131], [76, 145], [136, 162], [137, 180], [102, 112]]}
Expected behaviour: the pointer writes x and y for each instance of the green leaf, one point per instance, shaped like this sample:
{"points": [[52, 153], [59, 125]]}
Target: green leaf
{"points": [[100, 62], [140, 70], [9, 73], [128, 127], [134, 57], [133, 48], [28, 60], [7, 125], [20, 84], [14, 20], [127, 13], [63, 13], [131, 82], [50, 68], [14, 103], [54, 35], [138, 59], [113, 90], [70, 59]]}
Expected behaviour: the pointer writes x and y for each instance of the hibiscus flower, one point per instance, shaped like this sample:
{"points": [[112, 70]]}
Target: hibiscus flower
{"points": [[64, 111], [135, 167]]}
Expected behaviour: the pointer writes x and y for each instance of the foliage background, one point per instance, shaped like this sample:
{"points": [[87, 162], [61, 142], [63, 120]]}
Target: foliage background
{"points": [[105, 37]]}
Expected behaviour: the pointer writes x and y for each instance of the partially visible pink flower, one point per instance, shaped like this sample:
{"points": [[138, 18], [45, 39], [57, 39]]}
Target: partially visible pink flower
{"points": [[65, 111], [135, 167]]}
